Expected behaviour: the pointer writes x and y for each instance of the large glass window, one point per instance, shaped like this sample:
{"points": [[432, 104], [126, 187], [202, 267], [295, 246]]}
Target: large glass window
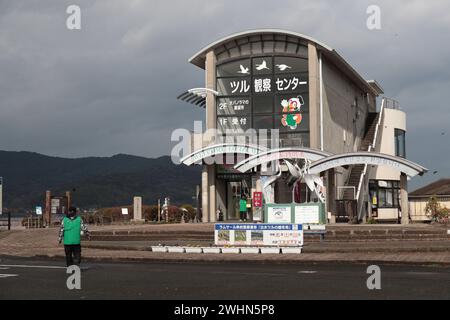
{"points": [[400, 143], [265, 92]]}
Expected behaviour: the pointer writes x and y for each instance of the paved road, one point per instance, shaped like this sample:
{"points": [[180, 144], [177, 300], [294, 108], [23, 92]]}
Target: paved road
{"points": [[40, 279]]}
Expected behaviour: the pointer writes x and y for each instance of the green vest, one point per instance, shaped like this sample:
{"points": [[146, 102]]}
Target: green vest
{"points": [[72, 231], [242, 205]]}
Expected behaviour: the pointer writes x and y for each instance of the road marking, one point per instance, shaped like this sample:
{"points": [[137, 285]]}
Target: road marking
{"points": [[4, 268], [307, 272], [25, 266], [248, 274], [8, 275]]}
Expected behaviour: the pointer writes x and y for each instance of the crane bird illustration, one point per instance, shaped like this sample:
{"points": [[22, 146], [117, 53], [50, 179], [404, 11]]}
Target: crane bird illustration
{"points": [[262, 66], [314, 183], [244, 70], [283, 67]]}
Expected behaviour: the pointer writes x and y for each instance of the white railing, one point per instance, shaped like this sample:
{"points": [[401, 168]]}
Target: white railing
{"points": [[371, 147]]}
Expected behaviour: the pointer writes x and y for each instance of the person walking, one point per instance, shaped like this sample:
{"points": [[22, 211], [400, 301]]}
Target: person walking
{"points": [[72, 228], [243, 208]]}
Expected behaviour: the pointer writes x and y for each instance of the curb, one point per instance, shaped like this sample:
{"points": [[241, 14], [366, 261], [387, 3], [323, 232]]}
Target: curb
{"points": [[237, 261]]}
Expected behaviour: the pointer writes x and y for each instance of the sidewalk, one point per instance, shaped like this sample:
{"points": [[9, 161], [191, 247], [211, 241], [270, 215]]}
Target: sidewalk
{"points": [[43, 243]]}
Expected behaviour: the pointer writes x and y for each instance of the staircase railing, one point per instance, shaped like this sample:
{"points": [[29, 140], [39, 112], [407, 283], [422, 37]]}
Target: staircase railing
{"points": [[363, 179]]}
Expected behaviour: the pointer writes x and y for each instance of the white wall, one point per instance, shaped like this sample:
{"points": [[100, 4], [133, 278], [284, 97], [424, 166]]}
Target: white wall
{"points": [[393, 119]]}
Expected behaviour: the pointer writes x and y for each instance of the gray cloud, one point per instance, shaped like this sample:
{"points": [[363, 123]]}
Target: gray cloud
{"points": [[111, 87]]}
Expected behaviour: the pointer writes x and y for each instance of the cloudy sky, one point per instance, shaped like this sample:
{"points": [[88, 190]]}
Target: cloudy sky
{"points": [[111, 87]]}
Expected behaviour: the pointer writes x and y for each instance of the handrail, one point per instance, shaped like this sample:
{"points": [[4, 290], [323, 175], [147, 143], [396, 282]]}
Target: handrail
{"points": [[371, 147]]}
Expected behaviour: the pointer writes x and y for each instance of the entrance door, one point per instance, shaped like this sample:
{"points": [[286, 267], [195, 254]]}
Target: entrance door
{"points": [[235, 190]]}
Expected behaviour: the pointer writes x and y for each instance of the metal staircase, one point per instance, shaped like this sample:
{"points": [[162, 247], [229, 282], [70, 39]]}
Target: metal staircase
{"points": [[358, 178]]}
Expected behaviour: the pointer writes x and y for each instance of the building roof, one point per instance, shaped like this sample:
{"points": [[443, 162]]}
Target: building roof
{"points": [[240, 38], [438, 188]]}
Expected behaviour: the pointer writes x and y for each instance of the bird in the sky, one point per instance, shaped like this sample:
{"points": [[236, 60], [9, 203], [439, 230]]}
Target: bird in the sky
{"points": [[283, 67], [244, 70], [262, 66]]}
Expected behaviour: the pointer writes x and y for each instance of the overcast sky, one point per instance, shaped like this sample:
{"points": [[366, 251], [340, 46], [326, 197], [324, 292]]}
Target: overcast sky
{"points": [[111, 87]]}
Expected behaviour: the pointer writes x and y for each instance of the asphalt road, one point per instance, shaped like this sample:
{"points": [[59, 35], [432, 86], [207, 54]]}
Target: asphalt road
{"points": [[40, 279]]}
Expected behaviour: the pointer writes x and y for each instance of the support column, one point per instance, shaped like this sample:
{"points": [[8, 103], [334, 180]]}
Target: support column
{"points": [[331, 195], [404, 198], [212, 193], [205, 189], [314, 97]]}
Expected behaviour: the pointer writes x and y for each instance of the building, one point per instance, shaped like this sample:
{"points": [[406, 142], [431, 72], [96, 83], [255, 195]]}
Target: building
{"points": [[418, 199], [328, 123]]}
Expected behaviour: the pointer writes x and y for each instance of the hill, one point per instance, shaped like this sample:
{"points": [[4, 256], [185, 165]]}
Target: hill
{"points": [[95, 181]]}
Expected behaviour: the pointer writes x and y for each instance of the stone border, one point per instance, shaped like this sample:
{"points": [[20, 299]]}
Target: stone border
{"points": [[226, 250]]}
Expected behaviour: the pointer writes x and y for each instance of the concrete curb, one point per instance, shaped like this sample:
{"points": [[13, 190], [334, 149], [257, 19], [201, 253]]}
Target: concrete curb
{"points": [[237, 261]]}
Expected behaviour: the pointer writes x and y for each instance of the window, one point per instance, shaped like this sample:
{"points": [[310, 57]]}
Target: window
{"points": [[384, 194], [400, 147], [264, 92]]}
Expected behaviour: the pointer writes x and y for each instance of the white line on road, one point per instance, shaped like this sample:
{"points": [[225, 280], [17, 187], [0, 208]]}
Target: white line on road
{"points": [[25, 266], [307, 272], [8, 275]]}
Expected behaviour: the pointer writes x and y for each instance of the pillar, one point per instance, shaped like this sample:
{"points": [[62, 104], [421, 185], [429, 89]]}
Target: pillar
{"points": [[314, 97], [404, 198], [331, 195], [205, 200], [48, 208], [212, 193], [137, 209], [69, 200]]}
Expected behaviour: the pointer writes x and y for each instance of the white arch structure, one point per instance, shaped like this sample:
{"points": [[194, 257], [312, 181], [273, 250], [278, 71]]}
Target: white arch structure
{"points": [[220, 149], [280, 154], [410, 168]]}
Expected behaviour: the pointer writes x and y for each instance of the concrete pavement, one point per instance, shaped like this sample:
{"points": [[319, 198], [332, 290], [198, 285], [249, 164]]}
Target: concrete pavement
{"points": [[43, 243]]}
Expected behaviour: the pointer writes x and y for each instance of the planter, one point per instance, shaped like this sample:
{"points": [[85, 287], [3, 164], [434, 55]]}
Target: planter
{"points": [[231, 250], [159, 249], [291, 250], [250, 250], [211, 250], [175, 249], [193, 250], [270, 250]]}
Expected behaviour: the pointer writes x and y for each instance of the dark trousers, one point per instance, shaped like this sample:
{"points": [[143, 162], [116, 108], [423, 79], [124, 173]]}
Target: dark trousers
{"points": [[73, 254], [243, 215]]}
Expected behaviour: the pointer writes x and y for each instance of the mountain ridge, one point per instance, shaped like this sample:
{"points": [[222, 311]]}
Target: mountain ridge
{"points": [[95, 181]]}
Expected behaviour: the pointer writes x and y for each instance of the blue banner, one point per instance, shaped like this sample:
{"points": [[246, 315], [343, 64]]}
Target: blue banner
{"points": [[259, 226]]}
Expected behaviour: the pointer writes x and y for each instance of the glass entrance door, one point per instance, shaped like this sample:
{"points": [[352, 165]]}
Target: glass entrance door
{"points": [[235, 190]]}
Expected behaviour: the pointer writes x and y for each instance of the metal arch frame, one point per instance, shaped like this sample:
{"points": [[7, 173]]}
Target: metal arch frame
{"points": [[190, 159], [277, 154], [408, 167]]}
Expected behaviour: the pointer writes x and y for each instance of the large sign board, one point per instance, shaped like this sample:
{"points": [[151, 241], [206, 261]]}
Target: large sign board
{"points": [[305, 214], [278, 235]]}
